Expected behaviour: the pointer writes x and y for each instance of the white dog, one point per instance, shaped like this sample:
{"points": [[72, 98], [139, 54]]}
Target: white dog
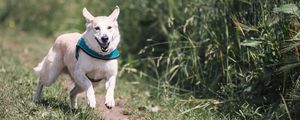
{"points": [[85, 57]]}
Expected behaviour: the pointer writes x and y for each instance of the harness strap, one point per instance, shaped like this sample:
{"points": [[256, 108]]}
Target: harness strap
{"points": [[77, 52]]}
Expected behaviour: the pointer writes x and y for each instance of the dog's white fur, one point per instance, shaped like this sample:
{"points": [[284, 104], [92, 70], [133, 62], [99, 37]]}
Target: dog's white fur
{"points": [[61, 58]]}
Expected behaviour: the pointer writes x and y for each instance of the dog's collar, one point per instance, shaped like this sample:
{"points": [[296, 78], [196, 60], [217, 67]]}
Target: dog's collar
{"points": [[85, 48]]}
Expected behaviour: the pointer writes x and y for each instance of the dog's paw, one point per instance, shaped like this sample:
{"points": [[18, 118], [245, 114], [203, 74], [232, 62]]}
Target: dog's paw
{"points": [[36, 99], [74, 105], [109, 102], [92, 103]]}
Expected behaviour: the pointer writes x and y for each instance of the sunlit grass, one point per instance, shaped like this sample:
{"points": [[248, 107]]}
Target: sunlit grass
{"points": [[17, 88]]}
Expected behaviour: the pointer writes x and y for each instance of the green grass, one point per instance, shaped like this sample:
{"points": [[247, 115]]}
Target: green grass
{"points": [[217, 59], [17, 88], [18, 56]]}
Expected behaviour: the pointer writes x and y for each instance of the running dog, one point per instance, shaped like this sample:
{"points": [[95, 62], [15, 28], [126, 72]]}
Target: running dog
{"points": [[87, 58]]}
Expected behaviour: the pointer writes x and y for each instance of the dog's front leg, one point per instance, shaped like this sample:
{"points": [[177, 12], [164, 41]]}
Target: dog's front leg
{"points": [[109, 97], [84, 83]]}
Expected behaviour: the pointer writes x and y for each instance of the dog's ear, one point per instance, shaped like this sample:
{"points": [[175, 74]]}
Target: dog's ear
{"points": [[114, 15], [88, 16]]}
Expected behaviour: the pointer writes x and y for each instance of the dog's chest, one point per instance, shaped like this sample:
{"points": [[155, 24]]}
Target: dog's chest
{"points": [[102, 69]]}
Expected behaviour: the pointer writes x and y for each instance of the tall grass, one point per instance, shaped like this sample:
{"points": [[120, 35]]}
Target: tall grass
{"points": [[232, 51], [241, 54]]}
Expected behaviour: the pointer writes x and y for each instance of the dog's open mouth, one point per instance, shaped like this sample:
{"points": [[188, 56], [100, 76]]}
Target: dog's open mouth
{"points": [[103, 46]]}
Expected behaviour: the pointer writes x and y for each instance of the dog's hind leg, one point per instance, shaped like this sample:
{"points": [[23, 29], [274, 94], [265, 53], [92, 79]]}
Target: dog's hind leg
{"points": [[37, 96], [48, 70]]}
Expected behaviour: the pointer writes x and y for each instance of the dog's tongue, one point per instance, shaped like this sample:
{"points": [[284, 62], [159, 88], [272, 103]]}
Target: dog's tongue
{"points": [[104, 46], [104, 50]]}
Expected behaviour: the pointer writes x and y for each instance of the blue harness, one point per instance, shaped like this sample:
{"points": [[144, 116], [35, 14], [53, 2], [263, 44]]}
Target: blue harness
{"points": [[85, 48]]}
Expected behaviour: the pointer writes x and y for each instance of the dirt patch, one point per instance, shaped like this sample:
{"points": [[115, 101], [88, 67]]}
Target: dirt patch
{"points": [[116, 113]]}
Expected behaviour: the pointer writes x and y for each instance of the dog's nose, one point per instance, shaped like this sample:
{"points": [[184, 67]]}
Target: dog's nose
{"points": [[104, 39]]}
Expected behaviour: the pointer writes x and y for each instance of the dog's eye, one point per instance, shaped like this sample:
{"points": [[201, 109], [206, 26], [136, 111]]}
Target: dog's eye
{"points": [[97, 28], [109, 27]]}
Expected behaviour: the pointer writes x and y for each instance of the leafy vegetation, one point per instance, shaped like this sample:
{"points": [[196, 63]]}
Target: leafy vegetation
{"points": [[233, 59]]}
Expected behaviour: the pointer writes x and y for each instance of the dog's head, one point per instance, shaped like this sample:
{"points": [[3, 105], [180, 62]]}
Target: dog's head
{"points": [[102, 32]]}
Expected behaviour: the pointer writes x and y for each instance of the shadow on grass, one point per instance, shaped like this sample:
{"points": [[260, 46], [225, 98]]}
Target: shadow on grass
{"points": [[58, 104]]}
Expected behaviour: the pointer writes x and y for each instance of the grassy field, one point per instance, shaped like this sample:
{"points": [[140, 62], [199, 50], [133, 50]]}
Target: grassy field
{"points": [[196, 59], [20, 53]]}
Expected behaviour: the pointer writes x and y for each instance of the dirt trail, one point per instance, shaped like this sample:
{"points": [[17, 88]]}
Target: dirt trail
{"points": [[116, 113]]}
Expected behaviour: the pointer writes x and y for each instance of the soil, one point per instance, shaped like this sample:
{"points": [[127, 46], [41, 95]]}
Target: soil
{"points": [[116, 113]]}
